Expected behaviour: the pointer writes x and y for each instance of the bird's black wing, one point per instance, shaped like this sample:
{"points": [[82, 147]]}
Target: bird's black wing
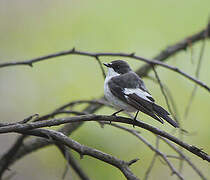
{"points": [[119, 84], [130, 89]]}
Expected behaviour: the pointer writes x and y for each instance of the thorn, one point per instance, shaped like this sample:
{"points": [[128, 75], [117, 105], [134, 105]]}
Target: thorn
{"points": [[73, 49], [132, 54], [184, 131], [49, 138], [198, 150], [172, 173], [81, 156], [132, 161], [29, 118], [101, 124], [139, 132], [30, 64], [96, 57]]}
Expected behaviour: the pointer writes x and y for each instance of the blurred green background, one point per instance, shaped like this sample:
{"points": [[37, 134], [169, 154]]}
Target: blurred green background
{"points": [[33, 28]]}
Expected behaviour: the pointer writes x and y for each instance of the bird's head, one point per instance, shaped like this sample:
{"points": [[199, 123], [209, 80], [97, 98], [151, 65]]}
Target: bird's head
{"points": [[117, 67]]}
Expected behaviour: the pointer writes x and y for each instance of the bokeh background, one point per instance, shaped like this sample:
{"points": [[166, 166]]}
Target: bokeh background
{"points": [[33, 28]]}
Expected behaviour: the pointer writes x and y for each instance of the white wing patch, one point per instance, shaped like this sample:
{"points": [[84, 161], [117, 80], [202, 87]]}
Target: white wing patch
{"points": [[139, 92]]}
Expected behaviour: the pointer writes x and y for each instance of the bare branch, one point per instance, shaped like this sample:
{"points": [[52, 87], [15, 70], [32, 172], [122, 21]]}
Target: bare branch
{"points": [[23, 121], [164, 54], [84, 150], [158, 152], [150, 167], [101, 67], [171, 50], [151, 62], [36, 143], [197, 73], [91, 117], [72, 162], [185, 158], [6, 158], [175, 112], [164, 95], [176, 48], [39, 143]]}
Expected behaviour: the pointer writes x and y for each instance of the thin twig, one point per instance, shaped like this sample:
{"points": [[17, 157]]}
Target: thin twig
{"points": [[174, 49], [101, 67], [197, 73], [185, 158], [152, 163], [155, 149], [128, 55], [175, 112], [164, 95], [72, 162], [68, 105], [22, 121]]}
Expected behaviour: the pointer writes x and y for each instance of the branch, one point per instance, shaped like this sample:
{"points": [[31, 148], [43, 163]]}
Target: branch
{"points": [[197, 73], [165, 54], [150, 166], [128, 55], [175, 48], [185, 158], [37, 143], [71, 161], [168, 52], [157, 152], [19, 128], [6, 159], [123, 166]]}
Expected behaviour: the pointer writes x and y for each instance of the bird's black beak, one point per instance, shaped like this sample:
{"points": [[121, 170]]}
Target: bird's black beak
{"points": [[107, 64]]}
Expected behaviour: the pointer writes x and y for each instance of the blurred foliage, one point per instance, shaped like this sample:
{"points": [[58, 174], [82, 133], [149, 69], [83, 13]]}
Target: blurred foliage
{"points": [[33, 28]]}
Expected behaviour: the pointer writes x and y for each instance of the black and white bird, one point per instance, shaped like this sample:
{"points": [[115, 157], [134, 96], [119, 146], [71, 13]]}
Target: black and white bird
{"points": [[126, 91]]}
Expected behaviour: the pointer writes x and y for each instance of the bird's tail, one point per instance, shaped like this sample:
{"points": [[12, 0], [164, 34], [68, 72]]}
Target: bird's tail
{"points": [[159, 111]]}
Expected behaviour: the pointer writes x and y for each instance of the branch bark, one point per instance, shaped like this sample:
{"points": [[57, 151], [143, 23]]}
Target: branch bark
{"points": [[123, 166], [20, 128], [157, 61]]}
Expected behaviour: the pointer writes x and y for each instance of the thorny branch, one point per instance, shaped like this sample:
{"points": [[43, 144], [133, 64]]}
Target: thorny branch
{"points": [[123, 166], [36, 143], [156, 61], [20, 128], [155, 149]]}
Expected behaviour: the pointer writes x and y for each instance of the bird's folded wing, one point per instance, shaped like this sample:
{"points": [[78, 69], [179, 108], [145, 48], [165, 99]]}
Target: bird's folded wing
{"points": [[130, 89], [142, 105], [153, 109], [134, 100]]}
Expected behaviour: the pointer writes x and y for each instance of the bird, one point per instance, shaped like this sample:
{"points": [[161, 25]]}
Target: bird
{"points": [[126, 91]]}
